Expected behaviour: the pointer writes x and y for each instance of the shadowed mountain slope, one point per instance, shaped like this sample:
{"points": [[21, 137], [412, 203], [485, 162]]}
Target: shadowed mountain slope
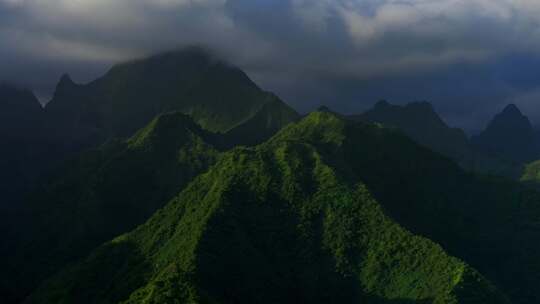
{"points": [[510, 135], [103, 193], [217, 95], [419, 121], [307, 217], [84, 193], [23, 150]]}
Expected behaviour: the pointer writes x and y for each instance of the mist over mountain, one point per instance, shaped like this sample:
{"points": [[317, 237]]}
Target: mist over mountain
{"points": [[176, 178], [216, 94], [171, 150], [293, 151]]}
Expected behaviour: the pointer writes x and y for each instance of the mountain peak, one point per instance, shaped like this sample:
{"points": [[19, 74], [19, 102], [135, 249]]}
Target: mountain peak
{"points": [[510, 116], [64, 84], [66, 80], [165, 129], [511, 109], [420, 121], [509, 135]]}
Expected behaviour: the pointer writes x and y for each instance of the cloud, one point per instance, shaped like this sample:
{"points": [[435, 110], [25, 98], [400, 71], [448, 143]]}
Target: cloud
{"points": [[306, 50]]}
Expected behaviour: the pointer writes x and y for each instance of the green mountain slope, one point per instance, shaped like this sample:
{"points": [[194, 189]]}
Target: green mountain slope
{"points": [[217, 95], [103, 193], [91, 194], [293, 220], [531, 174]]}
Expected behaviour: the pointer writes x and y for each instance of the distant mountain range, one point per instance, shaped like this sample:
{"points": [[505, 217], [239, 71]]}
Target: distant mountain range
{"points": [[420, 121], [218, 96], [213, 93], [510, 135], [309, 214], [176, 179], [508, 143]]}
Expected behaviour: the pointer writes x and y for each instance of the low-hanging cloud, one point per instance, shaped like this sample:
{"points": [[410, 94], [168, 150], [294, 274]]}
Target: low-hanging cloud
{"points": [[308, 50]]}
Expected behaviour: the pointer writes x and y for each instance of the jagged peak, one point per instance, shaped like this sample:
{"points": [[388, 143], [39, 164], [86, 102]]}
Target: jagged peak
{"points": [[510, 115], [66, 80], [65, 83], [511, 109]]}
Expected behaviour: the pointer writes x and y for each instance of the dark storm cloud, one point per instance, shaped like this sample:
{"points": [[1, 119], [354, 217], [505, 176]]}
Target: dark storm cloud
{"points": [[468, 57]]}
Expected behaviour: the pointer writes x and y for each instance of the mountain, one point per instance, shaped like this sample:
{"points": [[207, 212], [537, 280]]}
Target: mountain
{"points": [[20, 119], [294, 220], [329, 209], [217, 95], [19, 112], [271, 118], [222, 108], [103, 193], [491, 223], [311, 208], [509, 135], [419, 121]]}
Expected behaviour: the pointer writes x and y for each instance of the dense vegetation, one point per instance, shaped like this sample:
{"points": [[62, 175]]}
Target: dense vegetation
{"points": [[103, 193], [329, 209], [84, 202], [217, 95], [285, 222]]}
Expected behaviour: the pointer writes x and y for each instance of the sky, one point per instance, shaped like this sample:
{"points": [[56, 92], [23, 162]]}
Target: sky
{"points": [[468, 57]]}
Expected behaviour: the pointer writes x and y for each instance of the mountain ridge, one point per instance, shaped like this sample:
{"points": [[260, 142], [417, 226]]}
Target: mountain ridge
{"points": [[284, 213], [510, 134], [92, 192], [216, 94], [318, 172]]}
